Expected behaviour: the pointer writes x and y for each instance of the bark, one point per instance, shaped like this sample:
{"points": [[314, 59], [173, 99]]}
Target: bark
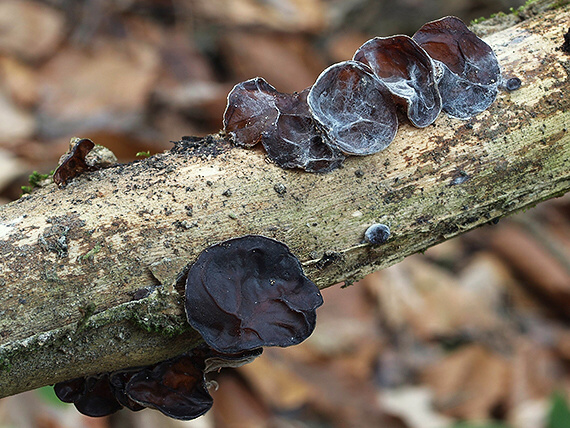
{"points": [[90, 274]]}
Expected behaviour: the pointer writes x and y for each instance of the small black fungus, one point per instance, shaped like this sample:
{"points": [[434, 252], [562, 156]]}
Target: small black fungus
{"points": [[471, 72], [513, 84], [250, 292], [377, 234]]}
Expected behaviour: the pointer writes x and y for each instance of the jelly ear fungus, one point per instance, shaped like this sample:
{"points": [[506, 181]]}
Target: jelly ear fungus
{"points": [[250, 292], [250, 111], [409, 74], [354, 107], [471, 72]]}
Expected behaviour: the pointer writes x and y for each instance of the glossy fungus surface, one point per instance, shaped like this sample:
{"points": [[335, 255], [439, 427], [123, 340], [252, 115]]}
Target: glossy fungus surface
{"points": [[471, 72], [73, 162], [408, 72], [175, 387], [354, 107], [92, 395], [250, 292], [250, 111], [296, 141], [377, 234]]}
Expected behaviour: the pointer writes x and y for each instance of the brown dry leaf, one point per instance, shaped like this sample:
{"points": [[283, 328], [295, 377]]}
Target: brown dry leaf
{"points": [[307, 16], [431, 302], [20, 81], [235, 406], [10, 168], [533, 262], [277, 384], [104, 88], [470, 383], [17, 124], [30, 30], [287, 62]]}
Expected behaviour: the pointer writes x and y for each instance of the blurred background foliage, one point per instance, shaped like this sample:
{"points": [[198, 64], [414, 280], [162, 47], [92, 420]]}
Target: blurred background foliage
{"points": [[473, 333]]}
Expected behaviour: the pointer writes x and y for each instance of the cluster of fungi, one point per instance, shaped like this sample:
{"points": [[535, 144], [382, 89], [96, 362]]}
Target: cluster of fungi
{"points": [[241, 295], [351, 107], [250, 292]]}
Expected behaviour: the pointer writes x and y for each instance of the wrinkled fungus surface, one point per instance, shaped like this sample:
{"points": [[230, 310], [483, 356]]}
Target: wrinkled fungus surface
{"points": [[352, 103], [296, 140], [250, 111], [175, 387], [354, 107], [250, 292], [471, 72], [408, 72]]}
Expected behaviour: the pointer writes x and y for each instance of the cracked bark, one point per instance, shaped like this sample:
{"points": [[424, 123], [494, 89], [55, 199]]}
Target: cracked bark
{"points": [[90, 274]]}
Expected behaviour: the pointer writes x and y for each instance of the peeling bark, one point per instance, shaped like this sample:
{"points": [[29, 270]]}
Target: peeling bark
{"points": [[90, 274]]}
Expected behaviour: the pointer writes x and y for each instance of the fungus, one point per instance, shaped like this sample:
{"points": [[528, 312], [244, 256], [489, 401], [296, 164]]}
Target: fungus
{"points": [[175, 387], [92, 395], [118, 381], [73, 163], [471, 72], [296, 141], [216, 360], [408, 72], [354, 107], [250, 111], [377, 234], [512, 84], [250, 292]]}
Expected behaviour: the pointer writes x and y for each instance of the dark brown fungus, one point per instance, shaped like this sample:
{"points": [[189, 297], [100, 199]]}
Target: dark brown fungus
{"points": [[96, 397], [73, 163], [175, 387], [250, 111], [217, 360], [250, 292], [471, 72], [118, 381], [296, 141], [354, 107], [408, 72], [70, 391]]}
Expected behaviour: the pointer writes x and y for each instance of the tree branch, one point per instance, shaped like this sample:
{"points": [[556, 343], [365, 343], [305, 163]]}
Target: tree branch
{"points": [[88, 275]]}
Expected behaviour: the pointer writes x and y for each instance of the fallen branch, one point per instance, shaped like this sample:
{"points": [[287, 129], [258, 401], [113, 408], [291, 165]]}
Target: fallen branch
{"points": [[90, 274]]}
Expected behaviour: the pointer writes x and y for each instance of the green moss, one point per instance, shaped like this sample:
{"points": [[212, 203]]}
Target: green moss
{"points": [[144, 154], [91, 253], [35, 179]]}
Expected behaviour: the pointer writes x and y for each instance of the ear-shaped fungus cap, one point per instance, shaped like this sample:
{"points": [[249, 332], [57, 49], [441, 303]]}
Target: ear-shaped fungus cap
{"points": [[92, 396], [175, 387], [73, 163], [296, 141], [471, 71], [408, 72], [354, 107], [250, 111], [250, 292]]}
